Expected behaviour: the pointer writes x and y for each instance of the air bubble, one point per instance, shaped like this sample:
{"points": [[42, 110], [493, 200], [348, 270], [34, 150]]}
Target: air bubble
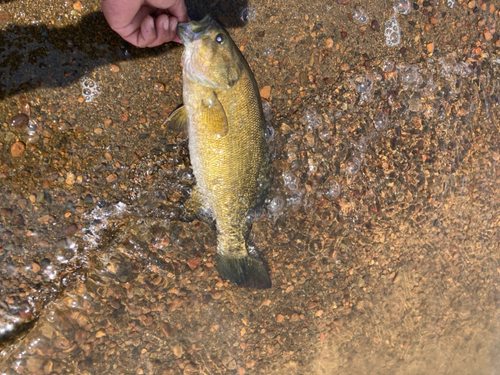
{"points": [[269, 51], [402, 6], [388, 66], [380, 121], [248, 14], [325, 135], [291, 181], [311, 119], [410, 76], [276, 205], [332, 189], [32, 127], [294, 201], [450, 3], [392, 32], [353, 165], [90, 88], [267, 110], [360, 15], [269, 133]]}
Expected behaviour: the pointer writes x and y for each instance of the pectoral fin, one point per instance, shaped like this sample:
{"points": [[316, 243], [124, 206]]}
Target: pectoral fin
{"points": [[213, 115], [178, 120]]}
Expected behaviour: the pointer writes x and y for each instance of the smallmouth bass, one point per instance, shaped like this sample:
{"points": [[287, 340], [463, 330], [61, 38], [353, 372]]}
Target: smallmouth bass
{"points": [[223, 116]]}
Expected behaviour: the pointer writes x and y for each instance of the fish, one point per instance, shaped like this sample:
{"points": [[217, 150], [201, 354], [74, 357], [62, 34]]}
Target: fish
{"points": [[222, 114]]}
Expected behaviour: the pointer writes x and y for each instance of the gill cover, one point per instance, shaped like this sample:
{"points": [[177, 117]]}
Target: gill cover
{"points": [[210, 57]]}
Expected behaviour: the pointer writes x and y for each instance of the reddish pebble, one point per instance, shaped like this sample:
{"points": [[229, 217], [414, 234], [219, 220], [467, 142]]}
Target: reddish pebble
{"points": [[193, 263], [343, 34], [17, 149], [375, 25]]}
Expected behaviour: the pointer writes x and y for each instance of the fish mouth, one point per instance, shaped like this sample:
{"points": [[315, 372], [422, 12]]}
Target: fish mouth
{"points": [[191, 31]]}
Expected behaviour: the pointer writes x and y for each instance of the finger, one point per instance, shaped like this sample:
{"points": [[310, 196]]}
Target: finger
{"points": [[119, 16], [144, 35], [176, 8], [179, 11], [166, 30]]}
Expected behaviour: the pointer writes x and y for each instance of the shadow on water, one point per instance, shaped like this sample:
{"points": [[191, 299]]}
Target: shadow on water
{"points": [[47, 56]]}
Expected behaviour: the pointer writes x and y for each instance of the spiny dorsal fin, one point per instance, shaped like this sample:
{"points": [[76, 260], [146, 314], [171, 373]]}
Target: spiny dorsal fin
{"points": [[213, 115], [178, 120]]}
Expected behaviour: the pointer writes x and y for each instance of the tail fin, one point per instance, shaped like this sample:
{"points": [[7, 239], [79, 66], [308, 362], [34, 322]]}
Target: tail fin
{"points": [[247, 271]]}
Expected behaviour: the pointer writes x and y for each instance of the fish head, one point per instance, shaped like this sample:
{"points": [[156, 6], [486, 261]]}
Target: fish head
{"points": [[210, 56]]}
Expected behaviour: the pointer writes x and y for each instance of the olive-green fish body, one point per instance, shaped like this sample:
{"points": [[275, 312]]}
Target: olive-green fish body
{"points": [[224, 119]]}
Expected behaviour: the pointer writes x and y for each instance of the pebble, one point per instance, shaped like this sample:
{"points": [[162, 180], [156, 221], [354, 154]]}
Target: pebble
{"points": [[4, 18], [114, 68], [18, 221], [159, 86], [19, 120], [344, 67], [70, 230], [229, 363], [70, 178], [17, 149], [35, 267], [375, 25], [26, 109], [77, 6], [5, 211], [178, 351], [279, 318], [112, 178], [265, 92], [487, 35], [430, 47], [343, 34], [329, 43]]}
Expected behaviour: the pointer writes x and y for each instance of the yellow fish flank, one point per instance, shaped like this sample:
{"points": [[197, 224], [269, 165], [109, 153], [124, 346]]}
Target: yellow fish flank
{"points": [[222, 113]]}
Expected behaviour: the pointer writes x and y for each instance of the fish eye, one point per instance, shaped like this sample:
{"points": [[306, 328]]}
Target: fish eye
{"points": [[220, 38]]}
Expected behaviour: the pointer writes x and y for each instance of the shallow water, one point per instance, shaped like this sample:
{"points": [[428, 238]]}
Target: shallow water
{"points": [[380, 231]]}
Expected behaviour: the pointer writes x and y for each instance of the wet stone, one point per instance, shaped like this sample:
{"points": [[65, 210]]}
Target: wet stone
{"points": [[5, 212], [88, 199], [18, 221], [70, 230], [158, 86], [4, 17], [19, 121], [17, 149]]}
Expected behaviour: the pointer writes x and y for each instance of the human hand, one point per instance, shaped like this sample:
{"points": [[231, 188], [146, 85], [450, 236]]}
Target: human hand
{"points": [[145, 23]]}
